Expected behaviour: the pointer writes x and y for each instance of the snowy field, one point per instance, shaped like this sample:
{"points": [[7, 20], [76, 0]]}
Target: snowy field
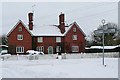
{"points": [[64, 68]]}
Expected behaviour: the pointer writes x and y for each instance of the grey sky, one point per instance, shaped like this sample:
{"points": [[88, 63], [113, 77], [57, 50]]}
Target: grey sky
{"points": [[87, 14]]}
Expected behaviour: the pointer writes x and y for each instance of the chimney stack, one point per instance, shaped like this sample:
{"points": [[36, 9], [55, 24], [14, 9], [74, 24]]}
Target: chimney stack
{"points": [[61, 23], [30, 17]]}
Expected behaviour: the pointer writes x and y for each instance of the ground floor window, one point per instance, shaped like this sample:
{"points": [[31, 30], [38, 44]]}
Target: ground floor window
{"points": [[75, 48], [58, 48], [40, 48], [19, 49]]}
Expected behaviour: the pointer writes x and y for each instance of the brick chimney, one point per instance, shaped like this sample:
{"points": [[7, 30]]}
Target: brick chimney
{"points": [[61, 23], [30, 17]]}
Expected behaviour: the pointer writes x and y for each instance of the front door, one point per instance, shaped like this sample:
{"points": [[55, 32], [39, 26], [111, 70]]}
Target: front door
{"points": [[50, 50]]}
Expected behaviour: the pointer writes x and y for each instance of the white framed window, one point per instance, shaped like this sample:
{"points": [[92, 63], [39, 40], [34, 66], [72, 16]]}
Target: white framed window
{"points": [[74, 29], [19, 49], [19, 37], [58, 48], [40, 39], [75, 49], [40, 48], [20, 29], [74, 37], [58, 39]]}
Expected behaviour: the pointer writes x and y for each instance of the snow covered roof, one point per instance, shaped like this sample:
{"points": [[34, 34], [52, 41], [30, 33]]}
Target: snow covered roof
{"points": [[46, 31], [101, 47], [16, 26], [52, 30], [69, 27]]}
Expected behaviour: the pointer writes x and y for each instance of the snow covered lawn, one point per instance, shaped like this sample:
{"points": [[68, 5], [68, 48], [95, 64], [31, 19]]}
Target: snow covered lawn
{"points": [[65, 68]]}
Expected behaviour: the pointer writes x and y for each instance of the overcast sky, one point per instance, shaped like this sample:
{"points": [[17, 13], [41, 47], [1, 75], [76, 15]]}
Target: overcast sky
{"points": [[88, 15]]}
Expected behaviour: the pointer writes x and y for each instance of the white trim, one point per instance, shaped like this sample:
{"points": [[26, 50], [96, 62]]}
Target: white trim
{"points": [[51, 48], [39, 39], [74, 29], [72, 26], [40, 48], [19, 37], [58, 39], [75, 47], [74, 37], [16, 26], [45, 35], [58, 48], [21, 49], [20, 28]]}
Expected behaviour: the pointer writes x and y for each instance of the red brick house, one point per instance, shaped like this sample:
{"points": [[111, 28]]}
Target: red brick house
{"points": [[48, 39]]}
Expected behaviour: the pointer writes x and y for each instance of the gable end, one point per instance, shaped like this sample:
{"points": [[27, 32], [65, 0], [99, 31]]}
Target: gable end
{"points": [[78, 28], [16, 26]]}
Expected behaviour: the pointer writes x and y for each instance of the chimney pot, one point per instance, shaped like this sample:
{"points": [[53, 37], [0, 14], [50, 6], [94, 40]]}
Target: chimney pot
{"points": [[30, 16]]}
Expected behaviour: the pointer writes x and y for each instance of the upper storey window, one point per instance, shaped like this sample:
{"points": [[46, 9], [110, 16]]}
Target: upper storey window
{"points": [[19, 37], [40, 39], [74, 37], [74, 29], [20, 29], [58, 39]]}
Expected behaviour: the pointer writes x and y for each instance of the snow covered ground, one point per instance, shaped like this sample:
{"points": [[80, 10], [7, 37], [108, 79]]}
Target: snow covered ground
{"points": [[64, 68]]}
